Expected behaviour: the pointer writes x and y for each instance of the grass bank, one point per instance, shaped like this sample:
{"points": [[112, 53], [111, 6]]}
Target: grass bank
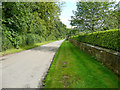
{"points": [[72, 68], [14, 50]]}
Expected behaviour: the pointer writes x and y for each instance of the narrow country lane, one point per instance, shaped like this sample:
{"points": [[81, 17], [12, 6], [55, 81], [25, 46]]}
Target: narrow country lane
{"points": [[27, 68]]}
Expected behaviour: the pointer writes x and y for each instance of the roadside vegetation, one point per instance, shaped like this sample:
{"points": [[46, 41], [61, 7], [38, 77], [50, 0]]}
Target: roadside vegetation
{"points": [[14, 50], [96, 16], [97, 23], [72, 68], [108, 39], [28, 23]]}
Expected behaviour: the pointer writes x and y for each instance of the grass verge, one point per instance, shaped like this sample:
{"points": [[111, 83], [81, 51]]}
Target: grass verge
{"points": [[14, 50], [72, 68]]}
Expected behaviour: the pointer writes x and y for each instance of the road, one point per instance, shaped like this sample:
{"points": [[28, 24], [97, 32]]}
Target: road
{"points": [[26, 69]]}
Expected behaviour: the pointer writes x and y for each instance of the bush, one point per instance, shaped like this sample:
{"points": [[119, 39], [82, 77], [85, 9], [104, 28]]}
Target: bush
{"points": [[22, 40], [29, 39], [109, 39], [51, 37], [6, 44]]}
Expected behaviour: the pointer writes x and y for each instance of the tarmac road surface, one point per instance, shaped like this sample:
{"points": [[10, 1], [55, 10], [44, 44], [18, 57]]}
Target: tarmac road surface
{"points": [[26, 69]]}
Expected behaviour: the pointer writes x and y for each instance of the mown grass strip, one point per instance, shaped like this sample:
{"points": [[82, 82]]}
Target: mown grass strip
{"points": [[14, 50], [72, 68]]}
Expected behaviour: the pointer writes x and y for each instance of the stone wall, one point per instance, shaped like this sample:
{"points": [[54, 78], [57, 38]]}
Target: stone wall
{"points": [[109, 58]]}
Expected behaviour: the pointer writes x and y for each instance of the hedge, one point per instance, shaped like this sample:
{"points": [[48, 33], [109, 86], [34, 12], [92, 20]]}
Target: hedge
{"points": [[108, 39]]}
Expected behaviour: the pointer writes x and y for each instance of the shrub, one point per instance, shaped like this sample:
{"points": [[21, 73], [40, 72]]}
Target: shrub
{"points": [[51, 37], [108, 39], [6, 44], [29, 39]]}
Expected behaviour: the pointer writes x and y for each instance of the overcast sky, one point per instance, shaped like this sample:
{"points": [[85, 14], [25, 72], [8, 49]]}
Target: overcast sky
{"points": [[66, 13]]}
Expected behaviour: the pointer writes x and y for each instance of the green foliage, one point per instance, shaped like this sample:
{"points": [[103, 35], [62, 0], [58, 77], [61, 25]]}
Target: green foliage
{"points": [[26, 47], [95, 16], [9, 38], [29, 39], [6, 44], [108, 39], [26, 23]]}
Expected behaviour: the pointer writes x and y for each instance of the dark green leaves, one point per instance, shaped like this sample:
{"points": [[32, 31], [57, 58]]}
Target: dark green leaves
{"points": [[31, 22]]}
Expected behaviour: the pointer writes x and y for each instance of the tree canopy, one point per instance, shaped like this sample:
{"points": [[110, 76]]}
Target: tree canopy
{"points": [[38, 20], [94, 16]]}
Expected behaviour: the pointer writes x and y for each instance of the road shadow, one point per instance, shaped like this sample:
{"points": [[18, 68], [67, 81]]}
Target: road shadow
{"points": [[45, 48]]}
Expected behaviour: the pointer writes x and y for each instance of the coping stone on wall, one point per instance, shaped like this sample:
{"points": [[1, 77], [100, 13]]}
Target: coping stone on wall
{"points": [[112, 62]]}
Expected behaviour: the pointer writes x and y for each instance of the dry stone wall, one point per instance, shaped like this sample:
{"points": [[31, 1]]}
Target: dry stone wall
{"points": [[108, 57]]}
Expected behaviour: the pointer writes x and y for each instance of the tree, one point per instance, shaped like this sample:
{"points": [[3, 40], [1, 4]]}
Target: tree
{"points": [[90, 15], [25, 23]]}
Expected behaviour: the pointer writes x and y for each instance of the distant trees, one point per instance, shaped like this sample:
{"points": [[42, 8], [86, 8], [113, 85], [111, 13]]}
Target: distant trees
{"points": [[94, 16], [26, 23]]}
